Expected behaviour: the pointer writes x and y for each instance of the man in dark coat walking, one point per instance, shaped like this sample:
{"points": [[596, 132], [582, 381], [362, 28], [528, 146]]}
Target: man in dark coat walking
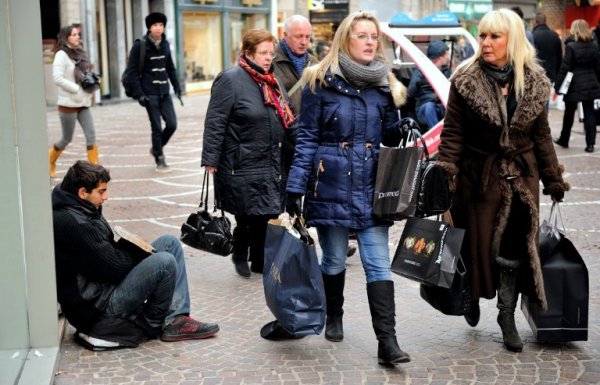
{"points": [[548, 46], [151, 86]]}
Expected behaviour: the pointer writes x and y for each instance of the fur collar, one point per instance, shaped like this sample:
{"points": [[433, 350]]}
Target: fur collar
{"points": [[398, 90], [473, 85]]}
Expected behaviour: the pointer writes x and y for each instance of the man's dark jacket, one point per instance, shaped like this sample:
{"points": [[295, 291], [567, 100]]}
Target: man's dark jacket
{"points": [[549, 50], [288, 77], [88, 261], [158, 69]]}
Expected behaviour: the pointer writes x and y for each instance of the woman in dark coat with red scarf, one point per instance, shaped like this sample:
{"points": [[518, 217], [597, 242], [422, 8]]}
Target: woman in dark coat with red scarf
{"points": [[496, 141], [248, 122]]}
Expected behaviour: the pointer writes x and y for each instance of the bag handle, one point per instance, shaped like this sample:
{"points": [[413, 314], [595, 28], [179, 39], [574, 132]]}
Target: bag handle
{"points": [[415, 136], [555, 214], [204, 194], [447, 217]]}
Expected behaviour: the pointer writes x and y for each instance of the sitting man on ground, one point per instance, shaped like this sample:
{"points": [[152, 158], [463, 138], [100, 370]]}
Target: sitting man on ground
{"points": [[99, 279], [429, 109]]}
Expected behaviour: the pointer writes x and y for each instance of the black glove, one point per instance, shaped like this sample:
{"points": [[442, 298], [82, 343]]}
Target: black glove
{"points": [[143, 100], [557, 196], [407, 125], [293, 204]]}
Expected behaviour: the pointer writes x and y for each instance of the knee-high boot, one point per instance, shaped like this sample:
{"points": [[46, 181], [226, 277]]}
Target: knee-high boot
{"points": [[334, 294], [92, 154], [241, 244], [508, 295], [383, 313], [53, 155]]}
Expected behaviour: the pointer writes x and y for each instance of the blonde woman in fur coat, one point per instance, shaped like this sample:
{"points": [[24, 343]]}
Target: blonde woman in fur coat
{"points": [[349, 108], [496, 142]]}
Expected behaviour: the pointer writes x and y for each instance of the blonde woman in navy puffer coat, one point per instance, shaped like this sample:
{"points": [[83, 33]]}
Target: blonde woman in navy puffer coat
{"points": [[349, 108]]}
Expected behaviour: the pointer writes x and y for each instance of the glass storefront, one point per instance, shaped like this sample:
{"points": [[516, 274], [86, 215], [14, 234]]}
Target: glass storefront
{"points": [[210, 36], [240, 23], [202, 48]]}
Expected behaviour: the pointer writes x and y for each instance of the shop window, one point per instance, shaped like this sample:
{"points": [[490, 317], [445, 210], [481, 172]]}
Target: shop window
{"points": [[202, 46]]}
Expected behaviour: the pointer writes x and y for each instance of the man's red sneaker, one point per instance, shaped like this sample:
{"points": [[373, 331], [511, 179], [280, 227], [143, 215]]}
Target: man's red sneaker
{"points": [[186, 328]]}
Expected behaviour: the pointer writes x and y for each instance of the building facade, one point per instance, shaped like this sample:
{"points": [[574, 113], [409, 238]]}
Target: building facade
{"points": [[205, 35]]}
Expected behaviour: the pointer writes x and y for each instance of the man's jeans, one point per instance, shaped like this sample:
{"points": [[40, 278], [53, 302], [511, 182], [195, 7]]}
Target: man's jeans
{"points": [[161, 106], [157, 285], [430, 113], [372, 245]]}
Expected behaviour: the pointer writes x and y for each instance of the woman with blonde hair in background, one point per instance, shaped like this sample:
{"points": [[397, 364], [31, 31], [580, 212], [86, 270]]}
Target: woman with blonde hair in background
{"points": [[582, 59], [70, 64], [496, 143]]}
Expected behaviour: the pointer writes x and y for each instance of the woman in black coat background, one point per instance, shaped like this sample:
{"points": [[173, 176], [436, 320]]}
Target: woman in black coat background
{"points": [[582, 58], [248, 122]]}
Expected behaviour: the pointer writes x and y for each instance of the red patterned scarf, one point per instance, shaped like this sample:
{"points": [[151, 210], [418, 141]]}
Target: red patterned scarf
{"points": [[271, 91]]}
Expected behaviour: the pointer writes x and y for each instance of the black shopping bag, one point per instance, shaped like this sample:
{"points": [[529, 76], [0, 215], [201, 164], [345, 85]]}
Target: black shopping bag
{"points": [[397, 182], [428, 252], [455, 300], [566, 283], [292, 279]]}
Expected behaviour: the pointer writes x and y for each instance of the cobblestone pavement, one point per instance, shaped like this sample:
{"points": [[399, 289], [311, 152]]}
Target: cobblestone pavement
{"points": [[444, 350]]}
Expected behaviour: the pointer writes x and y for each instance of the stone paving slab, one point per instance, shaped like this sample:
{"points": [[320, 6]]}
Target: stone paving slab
{"points": [[444, 350]]}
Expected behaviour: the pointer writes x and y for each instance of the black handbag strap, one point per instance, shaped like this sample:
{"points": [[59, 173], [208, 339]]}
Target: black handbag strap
{"points": [[204, 194]]}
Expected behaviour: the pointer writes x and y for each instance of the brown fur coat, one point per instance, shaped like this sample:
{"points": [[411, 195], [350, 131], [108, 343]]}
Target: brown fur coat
{"points": [[498, 173]]}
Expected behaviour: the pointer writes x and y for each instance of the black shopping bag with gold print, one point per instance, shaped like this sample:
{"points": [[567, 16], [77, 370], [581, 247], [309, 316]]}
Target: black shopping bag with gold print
{"points": [[428, 252]]}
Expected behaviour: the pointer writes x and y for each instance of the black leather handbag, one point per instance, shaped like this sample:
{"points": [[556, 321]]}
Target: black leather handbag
{"points": [[205, 231], [434, 196]]}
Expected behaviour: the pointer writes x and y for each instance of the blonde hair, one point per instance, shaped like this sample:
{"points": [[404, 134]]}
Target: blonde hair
{"points": [[341, 42], [581, 30], [520, 53]]}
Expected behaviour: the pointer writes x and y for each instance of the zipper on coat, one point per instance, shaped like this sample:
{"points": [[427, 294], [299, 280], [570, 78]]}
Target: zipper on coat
{"points": [[319, 171]]}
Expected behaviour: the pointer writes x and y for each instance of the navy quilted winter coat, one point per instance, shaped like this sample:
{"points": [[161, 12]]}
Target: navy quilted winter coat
{"points": [[337, 150]]}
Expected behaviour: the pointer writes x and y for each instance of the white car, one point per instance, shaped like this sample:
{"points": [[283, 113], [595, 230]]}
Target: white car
{"points": [[407, 41]]}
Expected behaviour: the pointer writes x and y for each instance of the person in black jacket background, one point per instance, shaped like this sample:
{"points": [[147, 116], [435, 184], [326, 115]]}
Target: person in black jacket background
{"points": [[98, 278], [151, 87], [582, 58], [248, 123], [547, 45]]}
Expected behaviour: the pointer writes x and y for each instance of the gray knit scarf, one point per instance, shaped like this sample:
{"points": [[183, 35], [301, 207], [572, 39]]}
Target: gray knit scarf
{"points": [[362, 76]]}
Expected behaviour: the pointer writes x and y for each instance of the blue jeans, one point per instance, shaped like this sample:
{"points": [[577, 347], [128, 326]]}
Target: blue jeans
{"points": [[157, 286], [430, 113], [372, 245], [161, 106]]}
